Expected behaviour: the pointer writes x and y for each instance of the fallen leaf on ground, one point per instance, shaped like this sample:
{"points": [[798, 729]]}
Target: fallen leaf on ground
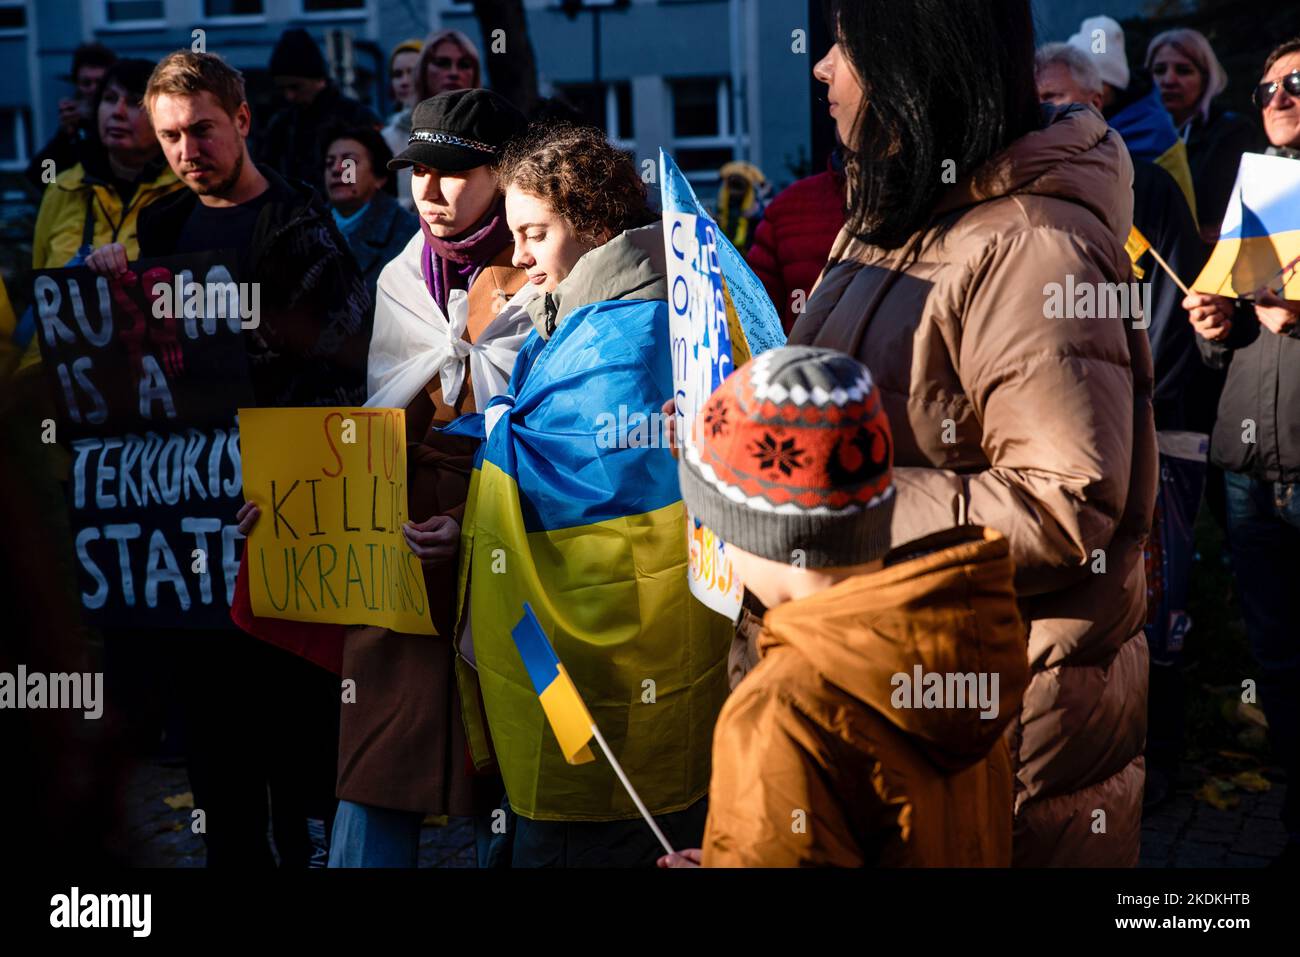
{"points": [[178, 801], [1254, 738], [1252, 781], [1215, 792], [1237, 755], [1252, 713]]}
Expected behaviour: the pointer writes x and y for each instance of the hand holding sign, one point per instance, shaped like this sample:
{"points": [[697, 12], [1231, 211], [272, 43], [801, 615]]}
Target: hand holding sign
{"points": [[247, 517], [331, 546], [146, 398], [435, 540], [108, 260]]}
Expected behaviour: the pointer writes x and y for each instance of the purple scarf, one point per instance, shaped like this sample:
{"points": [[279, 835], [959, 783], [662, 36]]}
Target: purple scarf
{"points": [[449, 264]]}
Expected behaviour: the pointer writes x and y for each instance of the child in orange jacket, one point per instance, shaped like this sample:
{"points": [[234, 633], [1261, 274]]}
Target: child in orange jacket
{"points": [[870, 732]]}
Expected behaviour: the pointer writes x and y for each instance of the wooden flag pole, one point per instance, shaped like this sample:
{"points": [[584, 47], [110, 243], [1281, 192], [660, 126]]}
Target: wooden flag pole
{"points": [[1165, 266], [636, 798]]}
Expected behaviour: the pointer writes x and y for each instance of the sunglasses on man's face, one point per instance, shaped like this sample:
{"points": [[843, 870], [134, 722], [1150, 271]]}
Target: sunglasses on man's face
{"points": [[446, 63], [1265, 92]]}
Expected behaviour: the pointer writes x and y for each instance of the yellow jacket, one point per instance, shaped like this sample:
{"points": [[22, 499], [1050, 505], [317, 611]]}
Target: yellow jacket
{"points": [[75, 194], [73, 198]]}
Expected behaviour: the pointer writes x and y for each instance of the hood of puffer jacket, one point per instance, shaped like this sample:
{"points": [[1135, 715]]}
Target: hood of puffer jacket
{"points": [[1075, 156], [943, 603], [630, 266]]}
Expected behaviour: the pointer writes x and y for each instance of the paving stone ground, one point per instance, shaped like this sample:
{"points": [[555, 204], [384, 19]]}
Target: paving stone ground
{"points": [[160, 836], [1185, 832], [1182, 833]]}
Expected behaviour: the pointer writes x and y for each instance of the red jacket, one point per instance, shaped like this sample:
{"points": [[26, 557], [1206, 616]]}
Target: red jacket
{"points": [[794, 239]]}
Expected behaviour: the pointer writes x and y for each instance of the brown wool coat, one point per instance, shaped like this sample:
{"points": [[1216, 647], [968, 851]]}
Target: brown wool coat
{"points": [[1040, 428], [814, 764], [402, 742]]}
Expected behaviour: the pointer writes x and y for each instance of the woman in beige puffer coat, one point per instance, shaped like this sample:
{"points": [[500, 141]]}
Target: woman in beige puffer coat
{"points": [[1038, 427]]}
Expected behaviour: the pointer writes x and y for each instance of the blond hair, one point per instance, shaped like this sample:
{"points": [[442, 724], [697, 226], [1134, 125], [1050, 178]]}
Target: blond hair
{"points": [[461, 40], [1193, 45], [186, 73]]}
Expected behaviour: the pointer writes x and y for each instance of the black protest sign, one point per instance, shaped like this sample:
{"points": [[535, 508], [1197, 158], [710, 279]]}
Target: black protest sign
{"points": [[147, 371]]}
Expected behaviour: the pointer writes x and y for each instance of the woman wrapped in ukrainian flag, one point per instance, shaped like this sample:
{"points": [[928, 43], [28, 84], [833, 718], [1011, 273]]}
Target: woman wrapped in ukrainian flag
{"points": [[575, 509]]}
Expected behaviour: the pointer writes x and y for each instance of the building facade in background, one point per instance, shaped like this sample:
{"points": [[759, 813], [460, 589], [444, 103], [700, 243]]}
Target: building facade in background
{"points": [[712, 80]]}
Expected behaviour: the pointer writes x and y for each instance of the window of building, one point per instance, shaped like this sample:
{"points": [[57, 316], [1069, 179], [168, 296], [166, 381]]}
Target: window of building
{"points": [[14, 153], [13, 17], [699, 107], [233, 8], [703, 138], [131, 11], [578, 6], [606, 105], [332, 6]]}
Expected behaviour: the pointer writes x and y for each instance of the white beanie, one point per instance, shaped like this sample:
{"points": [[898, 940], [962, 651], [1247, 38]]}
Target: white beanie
{"points": [[1103, 40]]}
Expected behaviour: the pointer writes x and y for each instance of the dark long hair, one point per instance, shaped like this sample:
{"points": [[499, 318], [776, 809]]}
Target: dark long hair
{"points": [[942, 80]]}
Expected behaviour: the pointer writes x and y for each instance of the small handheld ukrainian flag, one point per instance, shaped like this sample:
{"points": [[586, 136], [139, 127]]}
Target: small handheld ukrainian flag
{"points": [[1137, 247], [568, 716], [1260, 239]]}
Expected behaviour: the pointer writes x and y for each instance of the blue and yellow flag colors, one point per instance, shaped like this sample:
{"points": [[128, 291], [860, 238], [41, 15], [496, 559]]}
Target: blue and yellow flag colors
{"points": [[585, 523], [569, 717], [719, 316], [1137, 247], [1149, 133], [1260, 236], [753, 321]]}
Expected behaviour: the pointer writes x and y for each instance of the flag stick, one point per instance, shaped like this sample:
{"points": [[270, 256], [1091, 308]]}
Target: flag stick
{"points": [[1165, 266], [636, 798], [1293, 264]]}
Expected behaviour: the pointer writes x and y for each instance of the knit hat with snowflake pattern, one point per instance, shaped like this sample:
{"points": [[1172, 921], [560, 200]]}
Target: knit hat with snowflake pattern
{"points": [[790, 459]]}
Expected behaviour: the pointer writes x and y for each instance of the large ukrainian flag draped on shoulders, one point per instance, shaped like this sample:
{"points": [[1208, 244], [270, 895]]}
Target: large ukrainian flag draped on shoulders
{"points": [[592, 538], [1259, 241]]}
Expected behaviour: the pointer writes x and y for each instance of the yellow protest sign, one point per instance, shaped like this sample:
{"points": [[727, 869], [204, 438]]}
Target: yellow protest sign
{"points": [[331, 484]]}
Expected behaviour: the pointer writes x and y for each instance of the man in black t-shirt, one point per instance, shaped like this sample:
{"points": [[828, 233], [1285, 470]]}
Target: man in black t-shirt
{"points": [[258, 719], [313, 334]]}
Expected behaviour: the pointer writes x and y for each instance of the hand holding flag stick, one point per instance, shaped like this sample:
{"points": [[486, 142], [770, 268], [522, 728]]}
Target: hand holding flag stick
{"points": [[568, 716], [1285, 274], [636, 798]]}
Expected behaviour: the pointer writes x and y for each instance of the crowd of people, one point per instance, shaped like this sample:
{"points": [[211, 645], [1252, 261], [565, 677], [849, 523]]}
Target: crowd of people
{"points": [[932, 478]]}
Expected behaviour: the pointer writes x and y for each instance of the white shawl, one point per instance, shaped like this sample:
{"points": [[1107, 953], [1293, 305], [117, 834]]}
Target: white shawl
{"points": [[413, 340]]}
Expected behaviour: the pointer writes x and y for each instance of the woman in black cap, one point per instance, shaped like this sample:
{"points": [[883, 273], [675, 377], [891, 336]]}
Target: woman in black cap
{"points": [[448, 322]]}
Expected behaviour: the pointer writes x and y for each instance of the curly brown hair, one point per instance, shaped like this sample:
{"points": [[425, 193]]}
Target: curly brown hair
{"points": [[589, 183]]}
